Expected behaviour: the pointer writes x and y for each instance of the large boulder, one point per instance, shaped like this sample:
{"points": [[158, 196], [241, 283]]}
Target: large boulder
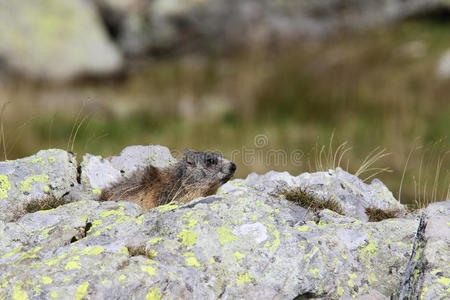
{"points": [[55, 40], [45, 175], [142, 26]]}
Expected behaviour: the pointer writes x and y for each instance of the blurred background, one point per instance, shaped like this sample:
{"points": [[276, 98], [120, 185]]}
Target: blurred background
{"points": [[364, 84]]}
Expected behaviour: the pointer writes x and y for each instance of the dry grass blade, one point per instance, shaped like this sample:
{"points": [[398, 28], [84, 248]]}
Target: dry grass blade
{"points": [[75, 124], [370, 159], [76, 131], [403, 176], [341, 150], [377, 171], [2, 129], [434, 192]]}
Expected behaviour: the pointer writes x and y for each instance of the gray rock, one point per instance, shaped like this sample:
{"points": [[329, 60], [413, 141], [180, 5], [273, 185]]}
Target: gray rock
{"points": [[49, 173], [245, 242], [428, 270], [240, 243], [177, 25], [348, 190], [55, 40], [98, 173]]}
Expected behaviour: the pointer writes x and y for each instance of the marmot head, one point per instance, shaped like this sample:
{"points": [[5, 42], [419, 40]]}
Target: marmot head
{"points": [[208, 167]]}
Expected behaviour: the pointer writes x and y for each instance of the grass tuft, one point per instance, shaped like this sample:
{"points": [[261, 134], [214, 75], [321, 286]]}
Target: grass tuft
{"points": [[378, 214], [43, 204], [306, 199]]}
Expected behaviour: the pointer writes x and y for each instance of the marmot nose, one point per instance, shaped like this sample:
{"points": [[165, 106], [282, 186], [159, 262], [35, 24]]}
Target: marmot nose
{"points": [[233, 167]]}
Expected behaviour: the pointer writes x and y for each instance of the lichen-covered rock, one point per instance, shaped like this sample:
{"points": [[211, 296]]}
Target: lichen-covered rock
{"points": [[241, 243], [49, 173], [55, 40], [245, 242], [98, 173], [428, 270], [348, 190]]}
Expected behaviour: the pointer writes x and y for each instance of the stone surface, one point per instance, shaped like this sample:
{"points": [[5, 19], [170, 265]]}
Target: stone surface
{"points": [[55, 40], [98, 173], [245, 242], [428, 270], [49, 173], [349, 191]]}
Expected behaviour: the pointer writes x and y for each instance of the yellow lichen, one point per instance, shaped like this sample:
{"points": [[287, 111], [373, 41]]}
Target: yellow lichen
{"points": [[18, 293], [97, 191], [46, 280], [149, 269], [12, 252], [82, 290], [154, 294], [92, 250], [276, 242], [124, 250], [188, 237], [444, 280], [107, 213], [192, 261], [340, 291], [243, 278], [225, 235], [303, 228], [72, 265], [5, 186], [238, 255], [167, 207], [27, 184], [154, 241]]}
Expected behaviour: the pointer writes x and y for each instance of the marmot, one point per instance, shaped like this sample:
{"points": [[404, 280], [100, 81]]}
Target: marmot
{"points": [[197, 174]]}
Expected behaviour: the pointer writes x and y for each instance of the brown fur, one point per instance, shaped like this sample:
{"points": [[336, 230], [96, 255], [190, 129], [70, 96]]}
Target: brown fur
{"points": [[189, 179]]}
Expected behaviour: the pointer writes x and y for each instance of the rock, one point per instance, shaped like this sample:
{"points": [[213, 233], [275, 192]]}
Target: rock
{"points": [[251, 246], [98, 173], [49, 173], [144, 26], [245, 242], [348, 190], [428, 270], [55, 40]]}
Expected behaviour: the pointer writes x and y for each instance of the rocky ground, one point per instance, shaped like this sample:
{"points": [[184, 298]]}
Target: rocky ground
{"points": [[248, 241]]}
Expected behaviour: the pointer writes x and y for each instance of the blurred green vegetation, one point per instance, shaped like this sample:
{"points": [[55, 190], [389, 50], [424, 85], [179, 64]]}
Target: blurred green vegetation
{"points": [[372, 89]]}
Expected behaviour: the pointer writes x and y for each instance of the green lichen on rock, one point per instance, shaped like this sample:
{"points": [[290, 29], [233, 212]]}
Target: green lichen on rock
{"points": [[27, 184], [5, 186]]}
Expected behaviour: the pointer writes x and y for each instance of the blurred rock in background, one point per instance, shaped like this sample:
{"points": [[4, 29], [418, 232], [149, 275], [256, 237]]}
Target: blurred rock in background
{"points": [[55, 40], [58, 41]]}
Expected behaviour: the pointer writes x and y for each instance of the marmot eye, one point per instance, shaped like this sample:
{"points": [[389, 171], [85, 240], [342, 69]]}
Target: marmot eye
{"points": [[211, 161]]}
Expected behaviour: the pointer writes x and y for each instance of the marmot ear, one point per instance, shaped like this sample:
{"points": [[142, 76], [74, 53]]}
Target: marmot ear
{"points": [[189, 157]]}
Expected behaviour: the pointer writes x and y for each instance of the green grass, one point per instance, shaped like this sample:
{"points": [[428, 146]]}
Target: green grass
{"points": [[370, 89]]}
